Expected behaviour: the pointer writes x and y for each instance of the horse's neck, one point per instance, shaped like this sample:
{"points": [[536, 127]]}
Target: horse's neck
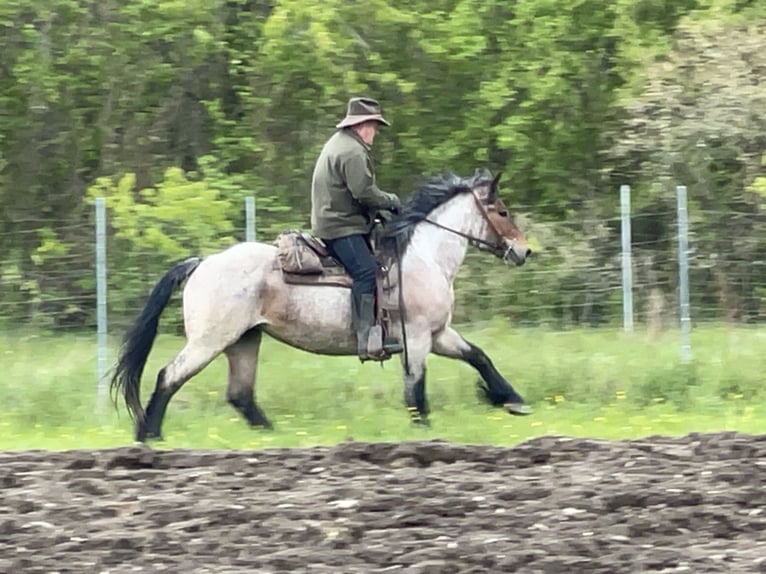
{"points": [[431, 243]]}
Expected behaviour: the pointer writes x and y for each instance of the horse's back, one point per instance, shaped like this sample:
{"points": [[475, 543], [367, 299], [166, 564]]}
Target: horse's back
{"points": [[246, 254], [243, 264]]}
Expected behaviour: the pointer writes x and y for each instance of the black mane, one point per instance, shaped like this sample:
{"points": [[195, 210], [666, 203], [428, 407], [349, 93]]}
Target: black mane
{"points": [[429, 195]]}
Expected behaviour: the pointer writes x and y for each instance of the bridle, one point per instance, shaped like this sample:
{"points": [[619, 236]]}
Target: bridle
{"points": [[500, 249]]}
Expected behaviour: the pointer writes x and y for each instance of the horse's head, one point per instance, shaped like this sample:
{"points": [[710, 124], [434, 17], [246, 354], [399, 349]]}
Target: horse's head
{"points": [[501, 234]]}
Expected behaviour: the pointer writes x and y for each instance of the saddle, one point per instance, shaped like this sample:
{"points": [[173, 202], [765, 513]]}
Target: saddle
{"points": [[304, 260]]}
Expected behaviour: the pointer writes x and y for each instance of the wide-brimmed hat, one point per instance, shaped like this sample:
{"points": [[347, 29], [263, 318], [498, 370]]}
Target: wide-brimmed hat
{"points": [[362, 110]]}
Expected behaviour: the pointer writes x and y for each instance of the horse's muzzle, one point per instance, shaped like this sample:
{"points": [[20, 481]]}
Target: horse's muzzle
{"points": [[516, 254]]}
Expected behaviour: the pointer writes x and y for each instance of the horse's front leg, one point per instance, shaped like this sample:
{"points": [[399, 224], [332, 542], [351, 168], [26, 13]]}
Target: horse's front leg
{"points": [[497, 391], [414, 367]]}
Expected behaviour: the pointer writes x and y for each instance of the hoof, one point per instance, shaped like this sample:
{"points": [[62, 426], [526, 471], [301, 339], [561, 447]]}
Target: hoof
{"points": [[418, 420], [148, 438], [518, 409]]}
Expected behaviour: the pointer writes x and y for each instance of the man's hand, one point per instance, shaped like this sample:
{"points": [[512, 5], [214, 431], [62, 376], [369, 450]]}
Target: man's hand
{"points": [[396, 203], [384, 216]]}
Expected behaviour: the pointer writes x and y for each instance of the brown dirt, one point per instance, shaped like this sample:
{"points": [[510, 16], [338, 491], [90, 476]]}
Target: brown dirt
{"points": [[559, 505]]}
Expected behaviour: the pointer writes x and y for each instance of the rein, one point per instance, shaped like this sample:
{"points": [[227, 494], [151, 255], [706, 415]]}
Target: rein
{"points": [[402, 315], [495, 248], [474, 240]]}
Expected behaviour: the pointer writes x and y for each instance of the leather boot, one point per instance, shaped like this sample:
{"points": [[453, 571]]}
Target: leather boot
{"points": [[369, 335], [363, 319]]}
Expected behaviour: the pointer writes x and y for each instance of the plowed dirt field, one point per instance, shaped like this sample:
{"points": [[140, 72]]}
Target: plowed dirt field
{"points": [[552, 505]]}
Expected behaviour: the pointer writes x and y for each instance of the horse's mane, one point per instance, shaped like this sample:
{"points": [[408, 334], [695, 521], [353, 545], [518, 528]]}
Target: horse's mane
{"points": [[429, 194]]}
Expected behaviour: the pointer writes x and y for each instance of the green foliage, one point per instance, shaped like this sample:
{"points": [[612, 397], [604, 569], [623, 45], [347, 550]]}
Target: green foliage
{"points": [[759, 183], [157, 226], [178, 110], [170, 220], [699, 122]]}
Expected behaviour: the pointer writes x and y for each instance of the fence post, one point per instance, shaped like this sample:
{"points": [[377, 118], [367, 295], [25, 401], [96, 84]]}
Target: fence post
{"points": [[250, 218], [683, 272], [101, 316], [627, 264]]}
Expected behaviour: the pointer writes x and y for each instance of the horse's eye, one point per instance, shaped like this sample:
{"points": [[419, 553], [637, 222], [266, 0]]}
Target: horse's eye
{"points": [[503, 213]]}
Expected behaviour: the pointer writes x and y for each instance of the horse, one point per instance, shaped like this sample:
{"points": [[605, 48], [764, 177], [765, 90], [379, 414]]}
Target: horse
{"points": [[234, 296]]}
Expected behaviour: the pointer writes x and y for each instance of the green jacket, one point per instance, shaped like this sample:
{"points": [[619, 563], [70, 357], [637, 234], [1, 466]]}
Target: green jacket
{"points": [[344, 197]]}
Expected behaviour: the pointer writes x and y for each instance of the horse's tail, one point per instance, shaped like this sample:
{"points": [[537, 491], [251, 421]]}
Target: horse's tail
{"points": [[126, 379]]}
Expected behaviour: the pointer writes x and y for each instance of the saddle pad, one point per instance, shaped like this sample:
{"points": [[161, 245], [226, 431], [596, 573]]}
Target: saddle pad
{"points": [[327, 278]]}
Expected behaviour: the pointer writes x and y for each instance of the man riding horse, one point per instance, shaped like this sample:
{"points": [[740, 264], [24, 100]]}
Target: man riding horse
{"points": [[344, 202]]}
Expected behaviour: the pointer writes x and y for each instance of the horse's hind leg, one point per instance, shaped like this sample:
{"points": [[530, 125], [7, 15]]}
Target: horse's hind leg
{"points": [[194, 357], [497, 390], [243, 364]]}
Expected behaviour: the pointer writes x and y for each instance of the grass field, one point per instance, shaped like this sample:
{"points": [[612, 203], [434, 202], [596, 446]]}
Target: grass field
{"points": [[603, 384]]}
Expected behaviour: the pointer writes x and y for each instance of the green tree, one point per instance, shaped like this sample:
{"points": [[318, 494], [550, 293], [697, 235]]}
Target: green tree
{"points": [[700, 122]]}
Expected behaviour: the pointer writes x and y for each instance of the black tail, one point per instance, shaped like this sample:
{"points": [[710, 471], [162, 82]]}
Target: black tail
{"points": [[140, 338]]}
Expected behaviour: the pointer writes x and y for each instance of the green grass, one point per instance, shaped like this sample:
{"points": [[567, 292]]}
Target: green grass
{"points": [[599, 383]]}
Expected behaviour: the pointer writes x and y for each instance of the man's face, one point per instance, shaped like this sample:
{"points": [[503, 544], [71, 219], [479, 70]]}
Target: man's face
{"points": [[367, 131]]}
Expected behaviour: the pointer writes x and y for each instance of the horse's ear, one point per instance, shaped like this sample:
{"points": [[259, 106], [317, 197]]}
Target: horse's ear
{"points": [[493, 188]]}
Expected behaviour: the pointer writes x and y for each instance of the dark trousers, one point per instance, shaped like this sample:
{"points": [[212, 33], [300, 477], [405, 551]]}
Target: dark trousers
{"points": [[354, 252]]}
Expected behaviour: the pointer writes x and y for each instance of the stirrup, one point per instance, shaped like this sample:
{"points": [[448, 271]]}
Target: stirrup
{"points": [[380, 348], [375, 341], [392, 347], [377, 349]]}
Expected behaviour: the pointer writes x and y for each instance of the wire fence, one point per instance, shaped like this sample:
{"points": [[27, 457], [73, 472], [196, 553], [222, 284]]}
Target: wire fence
{"points": [[620, 272]]}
